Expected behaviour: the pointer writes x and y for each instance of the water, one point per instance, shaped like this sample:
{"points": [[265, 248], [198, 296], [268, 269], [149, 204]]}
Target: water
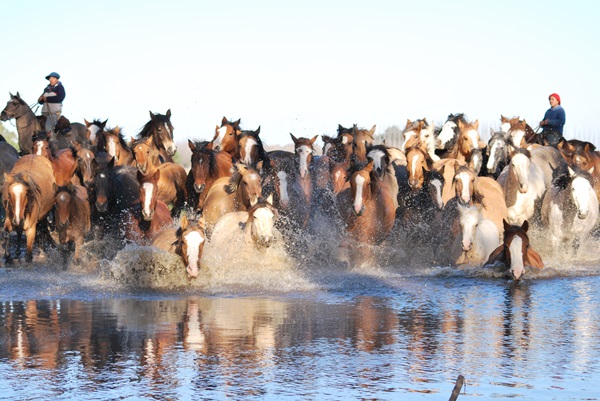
{"points": [[264, 326]]}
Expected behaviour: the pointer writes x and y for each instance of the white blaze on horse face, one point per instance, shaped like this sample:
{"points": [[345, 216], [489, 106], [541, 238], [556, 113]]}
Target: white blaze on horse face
{"points": [[112, 147], [446, 134], [517, 266], [193, 239], [505, 127], [469, 216], [517, 136], [521, 164], [248, 150], [473, 135], [219, 139], [39, 147], [326, 148], [262, 226], [148, 187], [284, 198], [465, 194], [358, 204], [437, 184], [170, 145], [496, 147], [93, 132], [581, 188], [303, 152], [345, 140], [407, 136], [414, 165], [377, 157], [18, 190]]}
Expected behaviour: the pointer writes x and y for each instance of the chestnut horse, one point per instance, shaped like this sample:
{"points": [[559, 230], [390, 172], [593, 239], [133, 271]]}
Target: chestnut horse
{"points": [[584, 156], [300, 184], [226, 138], [361, 139], [160, 129], [94, 129], [515, 252], [72, 217], [231, 194], [207, 166], [64, 161], [187, 241], [28, 197], [112, 142], [251, 149]]}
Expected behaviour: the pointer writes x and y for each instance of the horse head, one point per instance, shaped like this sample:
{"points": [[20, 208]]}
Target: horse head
{"points": [[64, 197], [304, 150], [94, 128], [435, 185], [448, 133], [580, 187], [360, 185], [148, 193], [361, 139], [15, 107], [497, 151], [464, 184], [226, 137], [41, 144], [102, 184], [190, 244], [381, 159], [418, 163], [469, 219], [161, 131], [18, 198], [246, 182], [141, 151], [516, 253], [261, 218], [520, 162]]}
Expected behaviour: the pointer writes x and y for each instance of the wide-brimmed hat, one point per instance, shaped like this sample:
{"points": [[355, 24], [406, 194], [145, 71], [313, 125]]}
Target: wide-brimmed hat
{"points": [[53, 74]]}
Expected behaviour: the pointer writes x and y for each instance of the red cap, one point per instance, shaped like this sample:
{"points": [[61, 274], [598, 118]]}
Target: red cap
{"points": [[555, 95]]}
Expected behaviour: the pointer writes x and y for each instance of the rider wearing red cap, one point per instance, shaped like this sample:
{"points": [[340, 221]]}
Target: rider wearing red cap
{"points": [[553, 121]]}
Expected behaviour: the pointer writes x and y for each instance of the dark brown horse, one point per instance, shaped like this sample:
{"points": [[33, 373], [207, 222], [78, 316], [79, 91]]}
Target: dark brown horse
{"points": [[187, 241], [301, 183], [28, 197], [8, 158], [251, 148], [72, 216], [207, 166], [515, 252], [27, 123], [94, 129], [85, 163]]}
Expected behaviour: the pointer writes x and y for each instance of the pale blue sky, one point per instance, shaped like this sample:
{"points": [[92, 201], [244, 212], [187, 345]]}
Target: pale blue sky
{"points": [[305, 67]]}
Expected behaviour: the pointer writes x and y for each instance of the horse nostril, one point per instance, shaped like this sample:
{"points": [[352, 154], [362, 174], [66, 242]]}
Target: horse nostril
{"points": [[199, 188]]}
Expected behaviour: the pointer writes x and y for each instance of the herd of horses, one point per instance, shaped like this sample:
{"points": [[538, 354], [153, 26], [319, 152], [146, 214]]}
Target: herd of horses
{"points": [[470, 202]]}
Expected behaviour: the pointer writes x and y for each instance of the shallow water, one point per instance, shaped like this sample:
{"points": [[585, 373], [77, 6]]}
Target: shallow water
{"points": [[262, 325]]}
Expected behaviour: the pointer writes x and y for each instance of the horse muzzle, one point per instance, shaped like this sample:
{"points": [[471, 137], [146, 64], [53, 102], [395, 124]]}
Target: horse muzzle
{"points": [[148, 216], [102, 207], [4, 116], [265, 241], [192, 270], [171, 150], [361, 211], [199, 188], [582, 215]]}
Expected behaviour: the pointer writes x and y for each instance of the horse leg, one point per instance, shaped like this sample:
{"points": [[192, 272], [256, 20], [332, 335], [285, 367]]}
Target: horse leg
{"points": [[7, 256], [30, 235]]}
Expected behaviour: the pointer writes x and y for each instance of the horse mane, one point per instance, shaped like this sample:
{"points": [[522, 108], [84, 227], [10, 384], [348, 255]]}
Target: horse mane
{"points": [[561, 178], [262, 153], [234, 124], [236, 178], [2, 139], [119, 135], [522, 151], [342, 130], [146, 130], [212, 163]]}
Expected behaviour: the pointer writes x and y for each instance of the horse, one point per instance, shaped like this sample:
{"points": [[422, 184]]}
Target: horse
{"points": [[161, 130], [28, 197], [478, 238], [148, 215], [361, 139], [72, 216], [27, 123], [584, 156], [145, 156], [339, 148], [251, 149], [420, 133], [93, 129], [207, 166], [8, 158], [112, 142], [282, 172], [466, 142], [497, 152], [570, 208], [187, 241], [447, 134], [226, 138], [515, 252], [519, 132], [255, 225], [85, 163], [64, 162], [482, 191], [524, 186], [231, 194]]}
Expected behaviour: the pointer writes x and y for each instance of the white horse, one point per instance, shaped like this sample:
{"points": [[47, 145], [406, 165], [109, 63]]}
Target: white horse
{"points": [[478, 236], [523, 185], [570, 208]]}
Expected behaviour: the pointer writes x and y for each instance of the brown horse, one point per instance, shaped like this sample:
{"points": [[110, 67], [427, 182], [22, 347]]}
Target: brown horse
{"points": [[300, 185], [584, 156], [251, 148], [207, 166], [64, 161], [515, 252], [94, 129], [148, 216], [112, 142], [28, 197], [160, 129], [361, 139], [519, 132], [231, 194], [187, 241], [27, 123], [226, 138], [72, 217], [86, 158], [146, 157], [467, 141]]}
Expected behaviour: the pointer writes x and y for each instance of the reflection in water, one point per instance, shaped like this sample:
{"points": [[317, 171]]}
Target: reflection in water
{"points": [[414, 337]]}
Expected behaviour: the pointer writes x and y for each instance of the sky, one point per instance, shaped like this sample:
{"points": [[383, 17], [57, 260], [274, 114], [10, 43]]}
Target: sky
{"points": [[303, 67]]}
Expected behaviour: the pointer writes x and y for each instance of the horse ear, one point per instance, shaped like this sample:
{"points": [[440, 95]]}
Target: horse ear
{"points": [[570, 170], [533, 259], [111, 163], [408, 123], [168, 114], [481, 145], [369, 167], [257, 130], [103, 124], [156, 175], [497, 255], [259, 165], [117, 130], [241, 168], [54, 187], [183, 222], [224, 120], [505, 224], [87, 123], [476, 124], [192, 145], [294, 138], [591, 171], [236, 124], [18, 95], [70, 186], [314, 138], [270, 198], [372, 130], [152, 116], [525, 226]]}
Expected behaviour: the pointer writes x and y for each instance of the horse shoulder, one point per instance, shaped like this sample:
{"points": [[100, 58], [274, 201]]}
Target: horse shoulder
{"points": [[165, 240]]}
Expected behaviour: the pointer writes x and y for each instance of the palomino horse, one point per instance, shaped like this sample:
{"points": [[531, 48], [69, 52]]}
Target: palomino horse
{"points": [[187, 241], [481, 191], [28, 197], [231, 194], [64, 162], [27, 123], [523, 185], [478, 238], [570, 208], [112, 142], [226, 138], [255, 225], [94, 129], [207, 166], [161, 130], [149, 215], [72, 217], [251, 149], [515, 252]]}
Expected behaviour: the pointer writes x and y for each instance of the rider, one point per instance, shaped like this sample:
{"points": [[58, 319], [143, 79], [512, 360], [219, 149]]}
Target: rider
{"points": [[553, 121], [52, 99]]}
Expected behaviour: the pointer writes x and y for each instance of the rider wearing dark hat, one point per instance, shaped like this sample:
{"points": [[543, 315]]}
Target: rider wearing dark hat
{"points": [[554, 121], [52, 99]]}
